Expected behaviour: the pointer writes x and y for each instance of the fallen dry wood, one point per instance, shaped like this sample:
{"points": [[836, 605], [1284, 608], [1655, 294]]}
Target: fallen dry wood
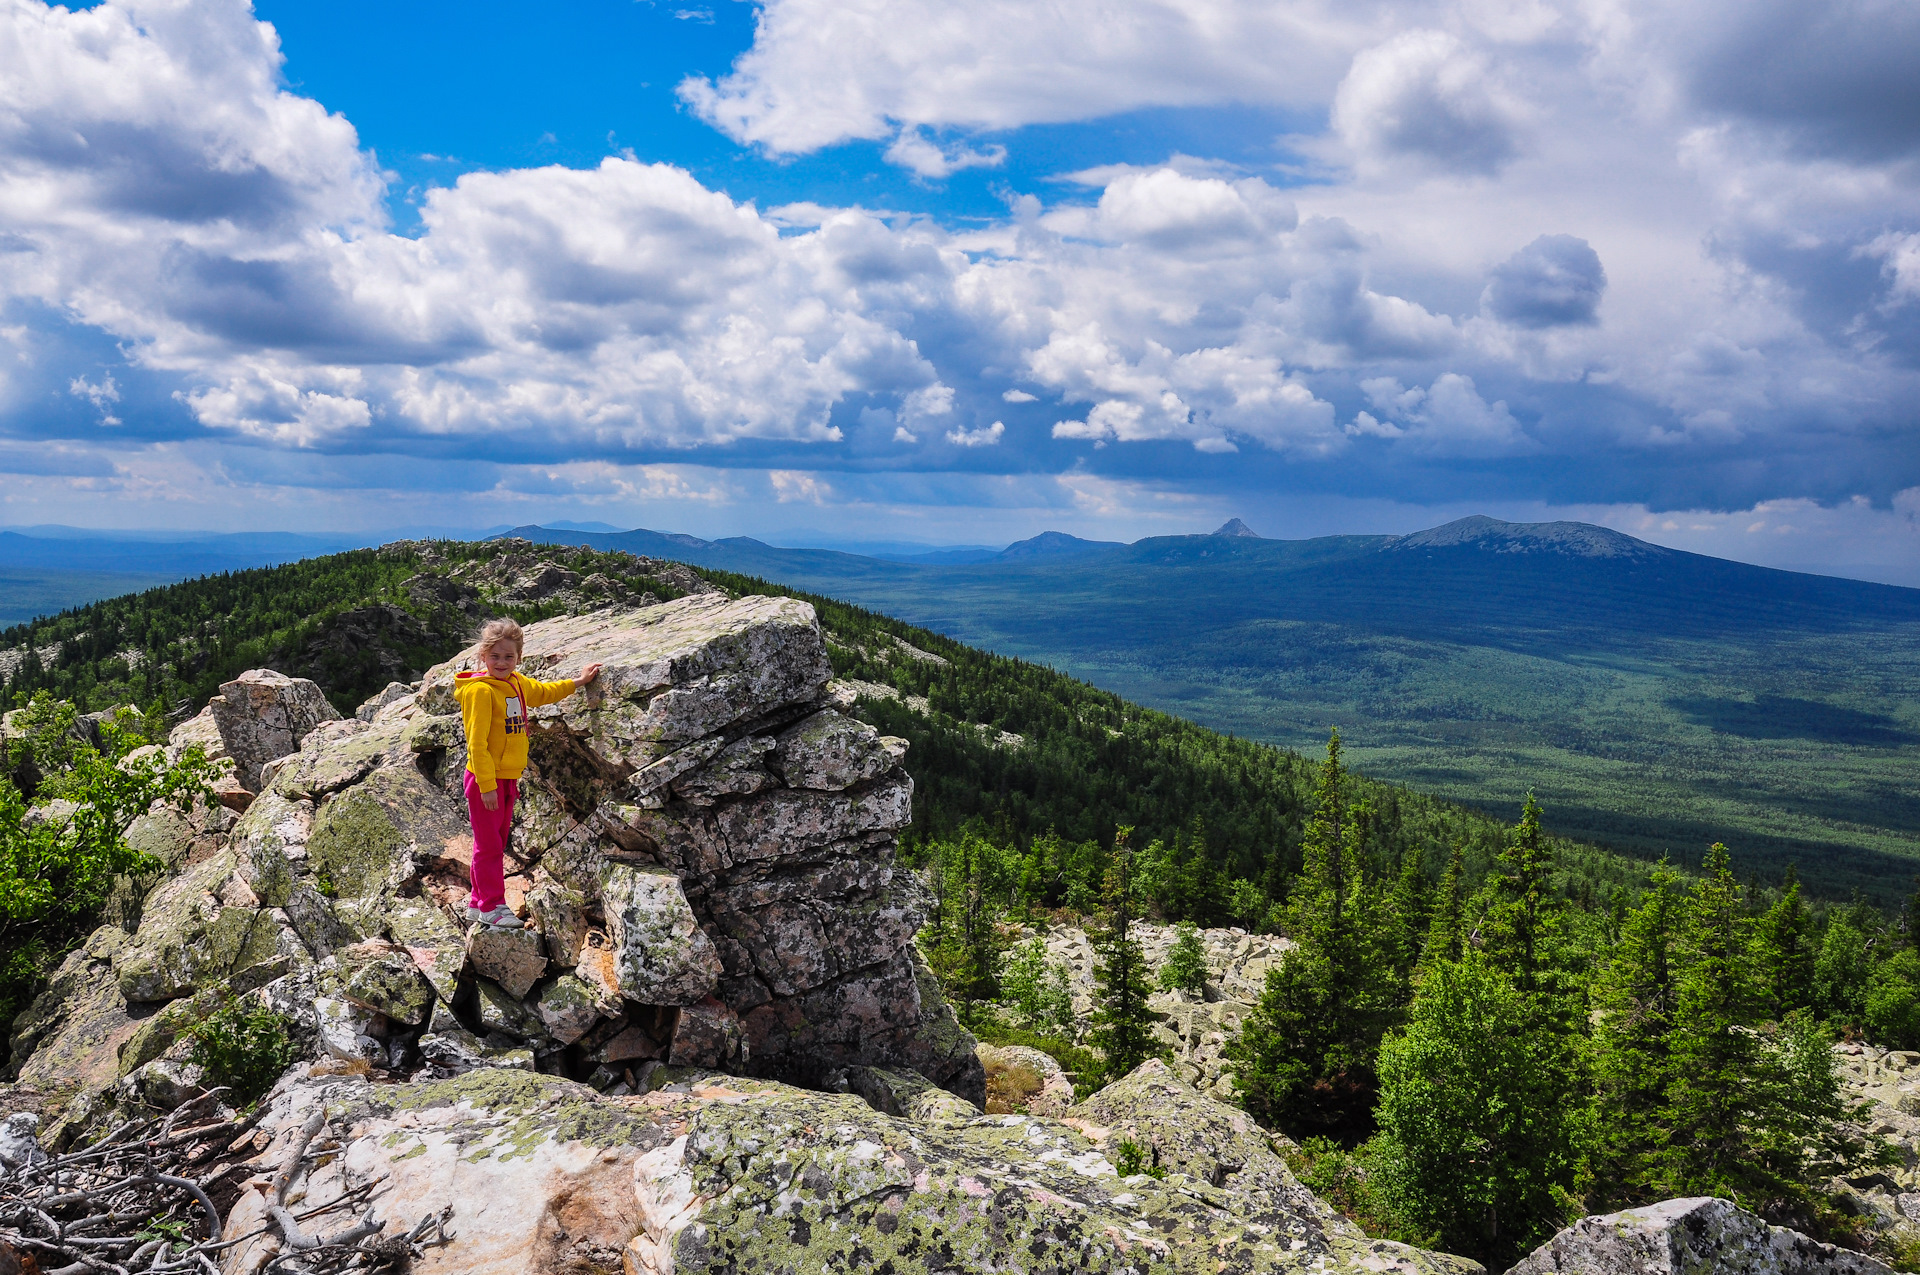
{"points": [[137, 1202]]}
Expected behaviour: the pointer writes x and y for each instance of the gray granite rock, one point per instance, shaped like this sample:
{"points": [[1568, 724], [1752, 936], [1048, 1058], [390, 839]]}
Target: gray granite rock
{"points": [[263, 715], [515, 959], [661, 955], [1697, 1236], [832, 751]]}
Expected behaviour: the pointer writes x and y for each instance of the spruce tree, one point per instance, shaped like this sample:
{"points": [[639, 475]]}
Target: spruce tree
{"points": [[1304, 1058], [1446, 934], [1636, 997], [1524, 914], [1122, 1025], [1784, 950], [1715, 1063]]}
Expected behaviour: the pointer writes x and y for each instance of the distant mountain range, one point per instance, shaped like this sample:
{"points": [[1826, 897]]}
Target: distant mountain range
{"points": [[1656, 700]]}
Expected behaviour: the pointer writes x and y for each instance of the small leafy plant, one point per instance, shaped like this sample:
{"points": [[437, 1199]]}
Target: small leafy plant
{"points": [[1131, 1158], [1185, 969], [243, 1048]]}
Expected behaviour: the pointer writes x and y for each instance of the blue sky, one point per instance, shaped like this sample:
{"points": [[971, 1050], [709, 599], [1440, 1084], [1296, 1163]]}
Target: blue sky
{"points": [[820, 270]]}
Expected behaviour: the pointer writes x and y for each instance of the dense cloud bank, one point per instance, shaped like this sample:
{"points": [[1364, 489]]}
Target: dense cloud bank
{"points": [[1612, 252]]}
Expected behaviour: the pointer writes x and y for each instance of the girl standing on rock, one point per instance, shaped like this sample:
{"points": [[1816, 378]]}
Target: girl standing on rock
{"points": [[494, 700]]}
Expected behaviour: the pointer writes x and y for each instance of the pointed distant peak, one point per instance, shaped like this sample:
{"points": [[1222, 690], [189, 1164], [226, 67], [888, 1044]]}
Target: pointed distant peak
{"points": [[1234, 527], [1570, 539]]}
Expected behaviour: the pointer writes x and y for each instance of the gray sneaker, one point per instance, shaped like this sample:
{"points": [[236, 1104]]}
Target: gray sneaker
{"points": [[500, 918]]}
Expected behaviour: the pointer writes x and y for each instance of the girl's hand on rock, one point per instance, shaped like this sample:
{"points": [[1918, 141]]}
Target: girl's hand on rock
{"points": [[588, 674]]}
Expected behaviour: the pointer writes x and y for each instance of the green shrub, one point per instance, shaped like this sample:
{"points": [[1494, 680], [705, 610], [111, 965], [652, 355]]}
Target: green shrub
{"points": [[1036, 989], [1185, 969], [1131, 1158], [244, 1048]]}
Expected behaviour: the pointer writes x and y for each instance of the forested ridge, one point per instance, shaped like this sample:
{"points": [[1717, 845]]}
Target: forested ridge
{"points": [[1089, 762]]}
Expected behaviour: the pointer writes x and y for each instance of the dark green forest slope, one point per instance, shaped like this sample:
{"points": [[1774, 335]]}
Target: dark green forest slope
{"points": [[1087, 760], [1656, 701]]}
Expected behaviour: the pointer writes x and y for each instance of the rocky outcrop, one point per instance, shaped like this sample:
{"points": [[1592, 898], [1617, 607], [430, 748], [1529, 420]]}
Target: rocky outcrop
{"points": [[1689, 1237], [712, 1173], [703, 850]]}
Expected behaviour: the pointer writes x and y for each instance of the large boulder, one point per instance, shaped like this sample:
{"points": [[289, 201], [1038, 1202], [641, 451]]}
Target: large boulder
{"points": [[263, 715], [1697, 1236], [202, 929]]}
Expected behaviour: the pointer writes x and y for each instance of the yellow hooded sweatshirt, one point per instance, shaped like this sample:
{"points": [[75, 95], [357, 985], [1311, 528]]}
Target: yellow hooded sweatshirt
{"points": [[494, 713]]}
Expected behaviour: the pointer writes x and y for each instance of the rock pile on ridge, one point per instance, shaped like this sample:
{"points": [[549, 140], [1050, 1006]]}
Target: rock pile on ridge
{"points": [[703, 847]]}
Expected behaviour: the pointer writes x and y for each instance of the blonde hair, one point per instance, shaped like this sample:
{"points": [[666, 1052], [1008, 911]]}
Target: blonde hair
{"points": [[496, 630]]}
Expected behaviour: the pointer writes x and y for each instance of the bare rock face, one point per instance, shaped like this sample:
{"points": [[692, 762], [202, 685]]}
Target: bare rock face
{"points": [[262, 715], [1689, 1237]]}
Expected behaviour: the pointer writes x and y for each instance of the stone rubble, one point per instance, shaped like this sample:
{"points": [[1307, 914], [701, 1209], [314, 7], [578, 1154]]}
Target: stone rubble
{"points": [[1194, 1028]]}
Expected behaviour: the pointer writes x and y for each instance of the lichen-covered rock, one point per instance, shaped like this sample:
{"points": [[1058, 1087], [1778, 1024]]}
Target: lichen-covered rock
{"points": [[538, 1170], [382, 977], [344, 1030], [374, 835], [267, 841], [832, 751], [567, 1008], [908, 1095], [454, 1051], [1183, 1131], [70, 1037], [709, 1173], [674, 673], [1689, 1237], [771, 1178], [371, 706], [561, 914], [515, 959], [189, 939], [263, 715], [661, 955], [501, 1011], [706, 1035], [433, 941]]}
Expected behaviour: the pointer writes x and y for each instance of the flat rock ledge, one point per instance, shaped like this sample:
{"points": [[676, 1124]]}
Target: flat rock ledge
{"points": [[715, 1173], [1696, 1236]]}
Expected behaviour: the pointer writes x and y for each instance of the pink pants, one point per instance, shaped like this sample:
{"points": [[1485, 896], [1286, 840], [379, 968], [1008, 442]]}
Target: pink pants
{"points": [[490, 830]]}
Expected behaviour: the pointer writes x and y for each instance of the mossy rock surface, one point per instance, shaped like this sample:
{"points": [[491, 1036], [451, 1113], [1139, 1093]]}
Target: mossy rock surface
{"points": [[799, 1181], [188, 940], [365, 838]]}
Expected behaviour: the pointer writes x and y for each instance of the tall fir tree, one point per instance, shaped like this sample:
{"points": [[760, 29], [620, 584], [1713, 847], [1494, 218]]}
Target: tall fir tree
{"points": [[1122, 1025], [1524, 914], [1446, 933], [1784, 950], [1636, 998], [1305, 1055], [1708, 1109]]}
